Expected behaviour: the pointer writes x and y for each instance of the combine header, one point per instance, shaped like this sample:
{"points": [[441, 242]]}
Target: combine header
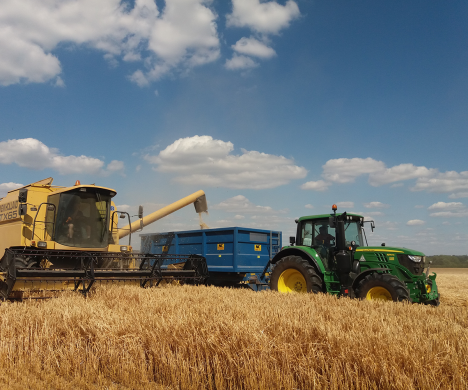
{"points": [[67, 238]]}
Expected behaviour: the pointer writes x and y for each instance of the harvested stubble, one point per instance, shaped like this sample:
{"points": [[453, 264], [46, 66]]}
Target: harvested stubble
{"points": [[210, 338]]}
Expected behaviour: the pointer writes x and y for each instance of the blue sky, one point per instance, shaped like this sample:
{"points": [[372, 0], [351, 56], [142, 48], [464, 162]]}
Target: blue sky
{"points": [[275, 109]]}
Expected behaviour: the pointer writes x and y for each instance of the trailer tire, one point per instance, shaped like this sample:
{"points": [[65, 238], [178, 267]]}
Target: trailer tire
{"points": [[382, 287], [295, 274]]}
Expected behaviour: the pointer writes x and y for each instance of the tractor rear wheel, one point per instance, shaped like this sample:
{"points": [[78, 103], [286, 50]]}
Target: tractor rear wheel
{"points": [[382, 287], [295, 274]]}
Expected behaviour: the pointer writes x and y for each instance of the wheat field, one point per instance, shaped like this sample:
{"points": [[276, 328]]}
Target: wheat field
{"points": [[185, 337]]}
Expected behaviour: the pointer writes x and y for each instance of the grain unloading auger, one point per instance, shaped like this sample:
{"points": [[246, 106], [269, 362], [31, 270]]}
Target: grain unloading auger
{"points": [[67, 238]]}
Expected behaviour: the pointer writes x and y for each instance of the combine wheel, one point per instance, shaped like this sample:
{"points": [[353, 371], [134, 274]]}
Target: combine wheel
{"points": [[294, 274], [24, 262], [382, 287]]}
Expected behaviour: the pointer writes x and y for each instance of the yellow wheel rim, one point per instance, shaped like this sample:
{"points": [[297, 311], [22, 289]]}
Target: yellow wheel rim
{"points": [[292, 280], [379, 293]]}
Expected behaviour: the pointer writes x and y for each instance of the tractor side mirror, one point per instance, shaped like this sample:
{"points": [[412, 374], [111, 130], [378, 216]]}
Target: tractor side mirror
{"points": [[331, 222], [23, 195], [292, 240]]}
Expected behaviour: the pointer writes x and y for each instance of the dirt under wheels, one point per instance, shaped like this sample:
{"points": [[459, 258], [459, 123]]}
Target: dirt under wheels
{"points": [[382, 287], [296, 275]]}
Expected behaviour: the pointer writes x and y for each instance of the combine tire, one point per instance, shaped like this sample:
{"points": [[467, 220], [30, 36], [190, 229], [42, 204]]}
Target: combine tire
{"points": [[383, 287], [24, 262], [294, 274]]}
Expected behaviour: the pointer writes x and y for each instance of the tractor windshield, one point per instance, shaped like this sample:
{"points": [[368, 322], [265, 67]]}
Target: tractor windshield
{"points": [[82, 218], [319, 232], [353, 233]]}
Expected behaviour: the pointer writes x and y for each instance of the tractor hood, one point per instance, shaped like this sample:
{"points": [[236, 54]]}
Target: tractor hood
{"points": [[389, 249]]}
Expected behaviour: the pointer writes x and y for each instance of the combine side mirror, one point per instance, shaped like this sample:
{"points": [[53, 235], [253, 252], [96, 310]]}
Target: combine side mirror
{"points": [[23, 208], [140, 215], [383, 243], [292, 240], [23, 195], [372, 226]]}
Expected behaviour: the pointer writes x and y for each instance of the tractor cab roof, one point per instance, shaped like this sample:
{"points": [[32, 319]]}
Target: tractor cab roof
{"points": [[351, 216]]}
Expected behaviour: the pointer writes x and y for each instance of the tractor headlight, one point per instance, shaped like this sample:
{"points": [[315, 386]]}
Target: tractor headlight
{"points": [[416, 259]]}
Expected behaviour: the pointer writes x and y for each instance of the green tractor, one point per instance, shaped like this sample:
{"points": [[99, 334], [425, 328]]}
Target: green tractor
{"points": [[329, 255]]}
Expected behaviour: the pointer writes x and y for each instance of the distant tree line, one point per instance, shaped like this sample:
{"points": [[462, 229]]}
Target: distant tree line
{"points": [[447, 261]]}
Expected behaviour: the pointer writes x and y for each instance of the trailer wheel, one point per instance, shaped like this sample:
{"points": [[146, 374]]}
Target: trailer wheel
{"points": [[295, 274], [382, 287]]}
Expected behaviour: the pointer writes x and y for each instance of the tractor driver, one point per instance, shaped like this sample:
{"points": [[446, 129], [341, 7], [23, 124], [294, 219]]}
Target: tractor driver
{"points": [[323, 238]]}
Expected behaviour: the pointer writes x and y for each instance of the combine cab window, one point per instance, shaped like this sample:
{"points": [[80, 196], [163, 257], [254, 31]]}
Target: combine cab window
{"points": [[83, 219]]}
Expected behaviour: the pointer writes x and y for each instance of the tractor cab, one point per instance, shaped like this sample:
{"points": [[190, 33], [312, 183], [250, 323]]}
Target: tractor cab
{"points": [[319, 232]]}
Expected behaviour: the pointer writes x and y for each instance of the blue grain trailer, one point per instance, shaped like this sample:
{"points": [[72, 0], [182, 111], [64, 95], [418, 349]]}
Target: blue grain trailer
{"points": [[234, 255]]}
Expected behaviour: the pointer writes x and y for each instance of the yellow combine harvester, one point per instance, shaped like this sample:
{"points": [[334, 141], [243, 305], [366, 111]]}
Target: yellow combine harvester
{"points": [[59, 238]]}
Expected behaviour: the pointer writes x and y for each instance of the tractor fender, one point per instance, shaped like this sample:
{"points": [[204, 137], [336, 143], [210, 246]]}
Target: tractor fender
{"points": [[297, 251], [363, 274]]}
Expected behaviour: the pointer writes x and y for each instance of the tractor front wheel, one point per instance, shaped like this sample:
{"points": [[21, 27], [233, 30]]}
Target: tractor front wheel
{"points": [[295, 274], [382, 287]]}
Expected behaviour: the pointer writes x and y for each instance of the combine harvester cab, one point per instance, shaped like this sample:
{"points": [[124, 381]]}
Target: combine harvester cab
{"points": [[330, 254], [62, 238]]}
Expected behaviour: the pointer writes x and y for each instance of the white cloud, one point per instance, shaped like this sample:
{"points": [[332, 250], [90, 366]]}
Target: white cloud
{"points": [[346, 170], [32, 153], [441, 182], [309, 206], [415, 222], [253, 47], [319, 185], [240, 204], [398, 173], [123, 207], [263, 17], [182, 36], [447, 206], [376, 205], [240, 62], [5, 187], [458, 195], [388, 225], [346, 205], [202, 160], [448, 210]]}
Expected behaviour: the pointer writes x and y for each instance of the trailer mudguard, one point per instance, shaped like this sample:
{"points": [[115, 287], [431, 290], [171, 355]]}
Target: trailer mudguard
{"points": [[304, 252]]}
